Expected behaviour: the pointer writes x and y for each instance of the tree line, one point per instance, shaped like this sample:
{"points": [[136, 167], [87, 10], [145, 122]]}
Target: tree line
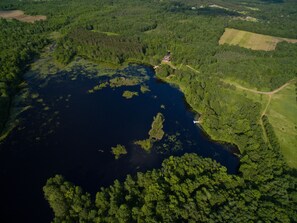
{"points": [[185, 189]]}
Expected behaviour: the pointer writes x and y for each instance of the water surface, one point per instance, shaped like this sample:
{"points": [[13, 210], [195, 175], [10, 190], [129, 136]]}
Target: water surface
{"points": [[70, 132]]}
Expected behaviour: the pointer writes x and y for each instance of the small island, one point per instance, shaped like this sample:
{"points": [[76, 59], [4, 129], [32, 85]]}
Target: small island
{"points": [[118, 151], [156, 133], [129, 94]]}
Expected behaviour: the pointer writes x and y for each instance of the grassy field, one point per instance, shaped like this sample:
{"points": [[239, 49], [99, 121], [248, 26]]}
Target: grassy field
{"points": [[282, 114], [251, 40], [20, 15]]}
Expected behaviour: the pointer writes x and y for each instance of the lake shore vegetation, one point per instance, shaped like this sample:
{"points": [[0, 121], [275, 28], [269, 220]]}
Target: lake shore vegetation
{"points": [[187, 188]]}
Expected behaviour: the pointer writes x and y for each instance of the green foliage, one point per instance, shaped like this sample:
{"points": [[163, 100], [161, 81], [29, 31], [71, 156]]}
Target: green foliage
{"points": [[188, 189], [129, 94], [69, 202], [270, 133], [146, 144], [125, 81], [118, 151], [164, 70], [156, 132], [19, 44], [64, 51], [99, 47], [144, 89], [99, 87]]}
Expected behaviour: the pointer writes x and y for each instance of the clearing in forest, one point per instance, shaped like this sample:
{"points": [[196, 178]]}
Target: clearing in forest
{"points": [[282, 114], [251, 40], [280, 106], [20, 15]]}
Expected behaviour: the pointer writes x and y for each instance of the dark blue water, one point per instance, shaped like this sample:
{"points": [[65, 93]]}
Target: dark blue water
{"points": [[70, 132]]}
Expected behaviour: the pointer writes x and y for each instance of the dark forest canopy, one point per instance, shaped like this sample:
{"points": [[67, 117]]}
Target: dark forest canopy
{"points": [[185, 189], [118, 32]]}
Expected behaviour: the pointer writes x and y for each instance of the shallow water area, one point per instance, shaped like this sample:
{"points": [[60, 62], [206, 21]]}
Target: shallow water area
{"points": [[70, 131]]}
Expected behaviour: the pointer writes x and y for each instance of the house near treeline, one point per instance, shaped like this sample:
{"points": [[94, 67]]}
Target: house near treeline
{"points": [[166, 58]]}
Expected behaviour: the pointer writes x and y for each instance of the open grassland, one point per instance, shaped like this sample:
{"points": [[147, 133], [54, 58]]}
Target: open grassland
{"points": [[251, 40], [250, 94], [280, 106], [20, 15], [282, 114]]}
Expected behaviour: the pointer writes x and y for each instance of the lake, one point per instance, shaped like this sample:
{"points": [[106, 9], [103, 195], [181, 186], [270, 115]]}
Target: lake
{"points": [[70, 131]]}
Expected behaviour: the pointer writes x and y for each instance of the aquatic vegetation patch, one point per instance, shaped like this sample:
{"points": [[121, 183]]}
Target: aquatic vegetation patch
{"points": [[129, 94], [171, 143], [156, 133], [99, 87], [145, 144], [127, 77], [118, 151], [144, 89], [124, 81]]}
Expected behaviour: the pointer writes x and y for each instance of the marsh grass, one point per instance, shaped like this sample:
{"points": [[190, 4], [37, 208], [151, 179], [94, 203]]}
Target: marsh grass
{"points": [[144, 89], [156, 133], [145, 144], [129, 94], [118, 151]]}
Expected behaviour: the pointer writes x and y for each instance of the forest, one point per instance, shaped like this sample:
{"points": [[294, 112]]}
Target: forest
{"points": [[187, 188]]}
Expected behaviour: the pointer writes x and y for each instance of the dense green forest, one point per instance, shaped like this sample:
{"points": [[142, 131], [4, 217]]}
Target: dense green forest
{"points": [[185, 189], [189, 188], [19, 44]]}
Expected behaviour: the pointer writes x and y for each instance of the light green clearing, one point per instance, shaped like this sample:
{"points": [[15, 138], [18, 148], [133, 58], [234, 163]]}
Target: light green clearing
{"points": [[251, 40], [282, 114], [262, 99], [107, 33]]}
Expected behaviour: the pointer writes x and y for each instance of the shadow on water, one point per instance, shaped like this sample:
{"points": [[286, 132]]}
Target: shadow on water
{"points": [[70, 132]]}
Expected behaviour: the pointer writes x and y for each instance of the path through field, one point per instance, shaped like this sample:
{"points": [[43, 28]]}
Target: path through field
{"points": [[197, 71], [270, 95], [265, 92]]}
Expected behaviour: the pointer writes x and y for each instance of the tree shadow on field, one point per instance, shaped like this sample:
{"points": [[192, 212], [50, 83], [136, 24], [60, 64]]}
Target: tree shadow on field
{"points": [[216, 12]]}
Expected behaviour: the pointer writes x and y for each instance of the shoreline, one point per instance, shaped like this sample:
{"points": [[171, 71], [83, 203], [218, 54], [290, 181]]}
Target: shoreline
{"points": [[207, 135], [235, 150]]}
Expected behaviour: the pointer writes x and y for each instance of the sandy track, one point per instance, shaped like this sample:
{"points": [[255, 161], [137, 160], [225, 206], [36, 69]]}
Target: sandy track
{"points": [[20, 15]]}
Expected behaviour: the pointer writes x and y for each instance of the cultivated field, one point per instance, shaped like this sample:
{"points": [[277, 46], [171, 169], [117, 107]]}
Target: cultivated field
{"points": [[282, 114], [20, 15], [251, 40]]}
